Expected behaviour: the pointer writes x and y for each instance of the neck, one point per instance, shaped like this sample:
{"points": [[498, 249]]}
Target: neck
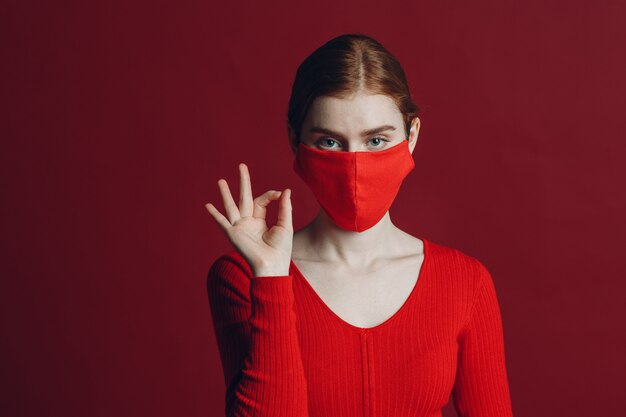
{"points": [[332, 243]]}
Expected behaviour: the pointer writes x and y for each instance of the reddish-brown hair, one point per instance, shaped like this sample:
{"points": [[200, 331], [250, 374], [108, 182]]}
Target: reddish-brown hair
{"points": [[342, 66]]}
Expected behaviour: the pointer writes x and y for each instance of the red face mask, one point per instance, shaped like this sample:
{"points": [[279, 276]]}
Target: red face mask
{"points": [[355, 189]]}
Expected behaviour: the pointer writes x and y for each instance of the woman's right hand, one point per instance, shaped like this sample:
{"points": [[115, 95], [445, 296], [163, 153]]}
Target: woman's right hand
{"points": [[267, 251]]}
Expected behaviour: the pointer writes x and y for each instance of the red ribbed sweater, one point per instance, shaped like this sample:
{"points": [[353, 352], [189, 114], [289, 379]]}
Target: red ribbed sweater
{"points": [[284, 352]]}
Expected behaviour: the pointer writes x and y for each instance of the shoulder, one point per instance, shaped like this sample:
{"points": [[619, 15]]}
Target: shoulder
{"points": [[458, 266], [460, 277]]}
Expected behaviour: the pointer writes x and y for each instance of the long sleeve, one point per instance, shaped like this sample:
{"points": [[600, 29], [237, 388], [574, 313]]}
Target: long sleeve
{"points": [[255, 327], [481, 388]]}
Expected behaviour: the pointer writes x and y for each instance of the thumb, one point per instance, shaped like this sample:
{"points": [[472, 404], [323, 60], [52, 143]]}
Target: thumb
{"points": [[284, 211]]}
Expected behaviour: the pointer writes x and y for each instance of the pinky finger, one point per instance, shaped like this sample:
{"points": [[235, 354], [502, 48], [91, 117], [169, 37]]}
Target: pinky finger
{"points": [[219, 217]]}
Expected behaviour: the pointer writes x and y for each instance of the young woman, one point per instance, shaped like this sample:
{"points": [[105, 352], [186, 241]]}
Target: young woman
{"points": [[351, 316]]}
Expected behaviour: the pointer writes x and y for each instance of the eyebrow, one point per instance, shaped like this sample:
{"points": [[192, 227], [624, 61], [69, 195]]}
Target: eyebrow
{"points": [[318, 129]]}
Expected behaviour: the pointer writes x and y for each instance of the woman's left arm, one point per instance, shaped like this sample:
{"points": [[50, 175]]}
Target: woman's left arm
{"points": [[481, 388]]}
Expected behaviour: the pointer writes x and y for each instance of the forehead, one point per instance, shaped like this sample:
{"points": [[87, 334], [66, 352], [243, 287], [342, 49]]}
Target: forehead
{"points": [[360, 109]]}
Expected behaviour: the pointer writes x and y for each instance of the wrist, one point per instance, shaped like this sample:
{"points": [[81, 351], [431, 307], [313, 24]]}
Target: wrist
{"points": [[270, 272]]}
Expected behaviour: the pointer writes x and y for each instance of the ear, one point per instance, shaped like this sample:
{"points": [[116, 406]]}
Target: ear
{"points": [[291, 137], [414, 132]]}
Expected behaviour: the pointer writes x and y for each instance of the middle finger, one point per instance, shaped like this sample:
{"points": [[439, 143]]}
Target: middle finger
{"points": [[246, 204]]}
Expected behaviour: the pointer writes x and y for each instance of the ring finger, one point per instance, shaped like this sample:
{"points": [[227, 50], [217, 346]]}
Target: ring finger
{"points": [[232, 212]]}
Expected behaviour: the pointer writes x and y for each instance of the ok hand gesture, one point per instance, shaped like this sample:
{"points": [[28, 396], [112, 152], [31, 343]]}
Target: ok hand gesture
{"points": [[267, 250]]}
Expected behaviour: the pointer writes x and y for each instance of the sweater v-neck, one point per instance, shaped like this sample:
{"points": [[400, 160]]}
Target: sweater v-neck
{"points": [[410, 298]]}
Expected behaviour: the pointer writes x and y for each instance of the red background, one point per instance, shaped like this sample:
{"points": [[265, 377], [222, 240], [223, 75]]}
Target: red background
{"points": [[119, 117]]}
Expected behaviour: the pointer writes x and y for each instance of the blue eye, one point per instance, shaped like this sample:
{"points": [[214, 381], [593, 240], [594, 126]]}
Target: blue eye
{"points": [[380, 141], [326, 142]]}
